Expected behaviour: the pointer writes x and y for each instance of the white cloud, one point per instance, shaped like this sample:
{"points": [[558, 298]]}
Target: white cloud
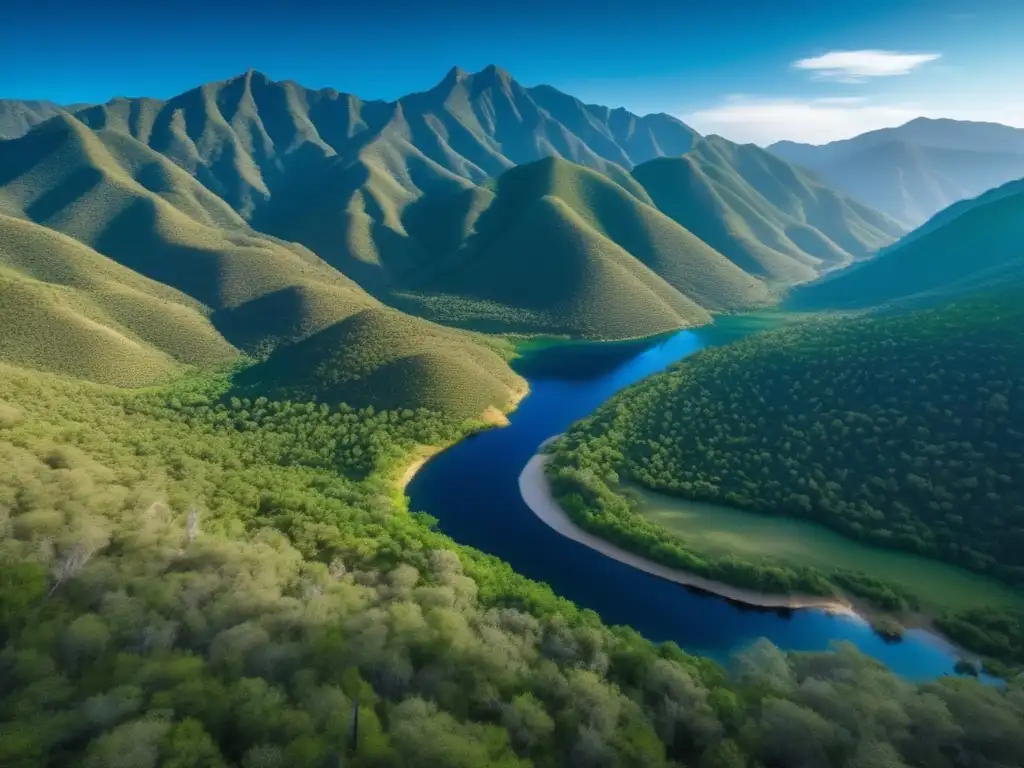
{"points": [[818, 121], [857, 66]]}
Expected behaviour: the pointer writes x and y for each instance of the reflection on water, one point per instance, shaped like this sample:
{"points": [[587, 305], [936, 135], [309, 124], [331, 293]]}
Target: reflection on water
{"points": [[472, 490]]}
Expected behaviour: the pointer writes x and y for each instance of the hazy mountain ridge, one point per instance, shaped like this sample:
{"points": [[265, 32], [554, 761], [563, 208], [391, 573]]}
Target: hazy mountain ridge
{"points": [[18, 117], [915, 170], [971, 245], [770, 218]]}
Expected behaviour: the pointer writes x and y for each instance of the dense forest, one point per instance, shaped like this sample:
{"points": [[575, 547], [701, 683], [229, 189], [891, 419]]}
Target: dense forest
{"points": [[902, 431], [191, 579]]}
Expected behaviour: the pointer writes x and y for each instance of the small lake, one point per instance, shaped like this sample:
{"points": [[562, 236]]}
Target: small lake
{"points": [[472, 489]]}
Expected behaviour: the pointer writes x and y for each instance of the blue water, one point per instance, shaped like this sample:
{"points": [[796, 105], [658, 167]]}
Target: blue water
{"points": [[472, 490]]}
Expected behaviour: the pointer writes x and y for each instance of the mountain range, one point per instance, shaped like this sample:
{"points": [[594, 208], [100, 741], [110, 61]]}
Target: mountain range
{"points": [[915, 170], [142, 236]]}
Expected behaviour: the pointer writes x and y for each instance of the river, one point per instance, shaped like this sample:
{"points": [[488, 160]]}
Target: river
{"points": [[472, 489]]}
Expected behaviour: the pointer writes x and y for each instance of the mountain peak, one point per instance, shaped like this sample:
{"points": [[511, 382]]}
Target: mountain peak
{"points": [[493, 74], [250, 77], [455, 75]]}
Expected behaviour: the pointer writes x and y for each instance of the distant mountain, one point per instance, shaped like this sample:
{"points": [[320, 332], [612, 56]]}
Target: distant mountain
{"points": [[19, 117], [913, 171], [968, 246]]}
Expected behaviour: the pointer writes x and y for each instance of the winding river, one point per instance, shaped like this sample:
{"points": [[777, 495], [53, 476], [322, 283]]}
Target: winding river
{"points": [[472, 489]]}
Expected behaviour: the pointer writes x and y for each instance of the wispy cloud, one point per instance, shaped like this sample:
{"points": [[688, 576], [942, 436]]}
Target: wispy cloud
{"points": [[818, 121], [858, 66], [763, 121]]}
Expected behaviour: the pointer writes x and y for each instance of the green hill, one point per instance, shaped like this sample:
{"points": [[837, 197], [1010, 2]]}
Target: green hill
{"points": [[382, 358], [132, 205], [768, 217], [901, 432], [973, 244], [570, 251]]}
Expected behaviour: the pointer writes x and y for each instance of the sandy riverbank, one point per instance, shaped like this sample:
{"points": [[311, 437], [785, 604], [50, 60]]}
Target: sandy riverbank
{"points": [[491, 416], [536, 492], [425, 455]]}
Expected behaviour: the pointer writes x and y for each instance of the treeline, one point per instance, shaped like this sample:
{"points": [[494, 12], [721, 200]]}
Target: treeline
{"points": [[188, 580], [900, 431]]}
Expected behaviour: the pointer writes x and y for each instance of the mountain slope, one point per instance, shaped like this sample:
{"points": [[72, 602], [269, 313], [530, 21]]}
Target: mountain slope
{"points": [[119, 267], [342, 176], [246, 138], [568, 250], [67, 309], [770, 218], [914, 171], [972, 245], [382, 358], [131, 204], [19, 117]]}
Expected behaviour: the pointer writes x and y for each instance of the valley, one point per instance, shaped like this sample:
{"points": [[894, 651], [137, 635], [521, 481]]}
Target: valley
{"points": [[474, 489], [279, 372]]}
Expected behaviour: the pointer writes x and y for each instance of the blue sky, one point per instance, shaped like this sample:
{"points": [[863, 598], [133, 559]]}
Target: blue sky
{"points": [[726, 67]]}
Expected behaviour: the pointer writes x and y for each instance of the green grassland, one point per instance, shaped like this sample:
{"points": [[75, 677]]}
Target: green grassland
{"points": [[715, 530]]}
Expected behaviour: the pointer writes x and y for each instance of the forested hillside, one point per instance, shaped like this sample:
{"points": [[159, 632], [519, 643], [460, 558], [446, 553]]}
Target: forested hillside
{"points": [[902, 432], [197, 581]]}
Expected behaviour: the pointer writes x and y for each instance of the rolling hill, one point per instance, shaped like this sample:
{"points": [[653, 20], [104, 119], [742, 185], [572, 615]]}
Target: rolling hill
{"points": [[383, 358], [914, 171], [970, 245]]}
